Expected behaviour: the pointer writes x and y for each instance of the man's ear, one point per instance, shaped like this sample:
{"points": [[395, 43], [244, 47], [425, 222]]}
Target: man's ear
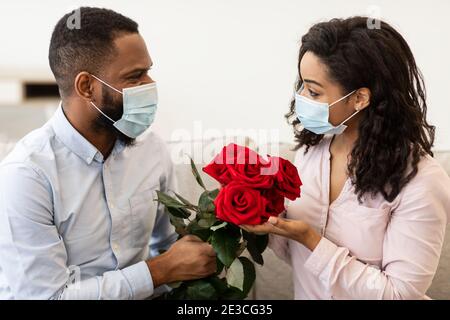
{"points": [[363, 96], [83, 86]]}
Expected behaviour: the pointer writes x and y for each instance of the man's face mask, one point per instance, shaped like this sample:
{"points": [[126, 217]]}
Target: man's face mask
{"points": [[314, 115], [139, 108]]}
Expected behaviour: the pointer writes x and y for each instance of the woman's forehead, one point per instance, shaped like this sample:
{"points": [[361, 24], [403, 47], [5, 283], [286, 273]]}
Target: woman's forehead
{"points": [[312, 68]]}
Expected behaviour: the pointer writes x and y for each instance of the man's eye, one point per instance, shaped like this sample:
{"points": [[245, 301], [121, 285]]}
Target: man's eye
{"points": [[137, 75]]}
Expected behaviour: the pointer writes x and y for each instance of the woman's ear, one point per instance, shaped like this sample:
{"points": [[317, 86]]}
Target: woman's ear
{"points": [[83, 86], [363, 96]]}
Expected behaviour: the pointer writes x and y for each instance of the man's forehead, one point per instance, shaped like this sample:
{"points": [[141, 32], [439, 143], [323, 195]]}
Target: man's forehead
{"points": [[131, 54]]}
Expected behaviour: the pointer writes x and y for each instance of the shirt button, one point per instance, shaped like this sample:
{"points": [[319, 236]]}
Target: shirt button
{"points": [[112, 206]]}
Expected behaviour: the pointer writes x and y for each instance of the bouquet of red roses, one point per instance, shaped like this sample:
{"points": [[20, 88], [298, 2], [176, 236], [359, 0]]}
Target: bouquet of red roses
{"points": [[252, 189]]}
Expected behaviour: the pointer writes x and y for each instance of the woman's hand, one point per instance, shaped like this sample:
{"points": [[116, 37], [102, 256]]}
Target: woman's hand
{"points": [[293, 229]]}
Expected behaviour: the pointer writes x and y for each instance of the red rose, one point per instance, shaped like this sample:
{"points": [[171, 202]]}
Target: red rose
{"points": [[275, 203], [287, 179], [238, 163], [218, 171], [218, 168], [240, 204]]}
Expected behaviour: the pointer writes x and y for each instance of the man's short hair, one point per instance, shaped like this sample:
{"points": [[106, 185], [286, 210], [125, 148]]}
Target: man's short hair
{"points": [[86, 45]]}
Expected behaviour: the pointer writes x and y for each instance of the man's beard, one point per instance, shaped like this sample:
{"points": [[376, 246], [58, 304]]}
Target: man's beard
{"points": [[114, 110]]}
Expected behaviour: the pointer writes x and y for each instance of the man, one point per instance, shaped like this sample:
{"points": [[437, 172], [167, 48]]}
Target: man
{"points": [[77, 213]]}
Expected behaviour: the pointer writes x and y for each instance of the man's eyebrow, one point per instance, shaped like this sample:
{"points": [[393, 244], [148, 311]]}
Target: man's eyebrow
{"points": [[312, 81], [138, 69]]}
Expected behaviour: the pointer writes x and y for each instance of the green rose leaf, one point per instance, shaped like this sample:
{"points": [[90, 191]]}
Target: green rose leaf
{"points": [[226, 245], [181, 213], [235, 275], [206, 201], [256, 244], [220, 284], [207, 221], [234, 293], [233, 230], [184, 201], [179, 224], [197, 175], [220, 267], [249, 274], [196, 230], [175, 207], [178, 293], [200, 290], [168, 200], [213, 194]]}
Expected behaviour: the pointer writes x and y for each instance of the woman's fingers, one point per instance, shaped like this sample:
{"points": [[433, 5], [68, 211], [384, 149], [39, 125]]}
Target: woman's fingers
{"points": [[264, 229], [258, 229], [275, 225], [293, 229]]}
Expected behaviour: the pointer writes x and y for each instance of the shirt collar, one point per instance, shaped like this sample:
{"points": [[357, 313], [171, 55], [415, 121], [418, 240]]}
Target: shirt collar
{"points": [[73, 139], [118, 147]]}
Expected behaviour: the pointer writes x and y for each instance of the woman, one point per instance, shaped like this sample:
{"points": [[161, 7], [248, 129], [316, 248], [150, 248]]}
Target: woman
{"points": [[371, 220]]}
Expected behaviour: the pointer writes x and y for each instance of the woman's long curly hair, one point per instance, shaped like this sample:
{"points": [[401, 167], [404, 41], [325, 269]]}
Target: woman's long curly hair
{"points": [[393, 132]]}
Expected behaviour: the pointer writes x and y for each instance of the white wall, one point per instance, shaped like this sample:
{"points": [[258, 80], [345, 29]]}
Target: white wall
{"points": [[230, 63]]}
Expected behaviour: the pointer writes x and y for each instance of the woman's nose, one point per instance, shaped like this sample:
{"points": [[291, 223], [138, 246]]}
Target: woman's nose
{"points": [[301, 91]]}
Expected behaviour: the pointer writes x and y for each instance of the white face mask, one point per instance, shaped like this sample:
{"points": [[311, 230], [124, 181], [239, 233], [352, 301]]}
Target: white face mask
{"points": [[139, 108], [314, 115]]}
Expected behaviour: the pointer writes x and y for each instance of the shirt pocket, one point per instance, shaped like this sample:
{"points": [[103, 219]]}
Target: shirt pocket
{"points": [[143, 215]]}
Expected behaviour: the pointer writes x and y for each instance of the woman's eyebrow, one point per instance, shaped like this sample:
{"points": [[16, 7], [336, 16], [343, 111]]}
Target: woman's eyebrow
{"points": [[312, 81]]}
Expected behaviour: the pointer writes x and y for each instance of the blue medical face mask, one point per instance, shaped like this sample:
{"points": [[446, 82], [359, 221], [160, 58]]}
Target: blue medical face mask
{"points": [[139, 108], [314, 115]]}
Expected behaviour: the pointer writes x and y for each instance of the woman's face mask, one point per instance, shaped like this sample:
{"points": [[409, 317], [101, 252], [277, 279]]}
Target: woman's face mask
{"points": [[139, 108], [314, 115]]}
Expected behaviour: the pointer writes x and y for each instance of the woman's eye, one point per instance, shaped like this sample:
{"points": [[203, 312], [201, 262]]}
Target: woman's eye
{"points": [[312, 93]]}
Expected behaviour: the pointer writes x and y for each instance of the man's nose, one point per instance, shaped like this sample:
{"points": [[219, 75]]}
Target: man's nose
{"points": [[147, 80]]}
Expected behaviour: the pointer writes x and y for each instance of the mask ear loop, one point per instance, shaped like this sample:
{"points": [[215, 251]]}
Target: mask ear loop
{"points": [[354, 114], [98, 109], [351, 116], [107, 84], [348, 95], [102, 112]]}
